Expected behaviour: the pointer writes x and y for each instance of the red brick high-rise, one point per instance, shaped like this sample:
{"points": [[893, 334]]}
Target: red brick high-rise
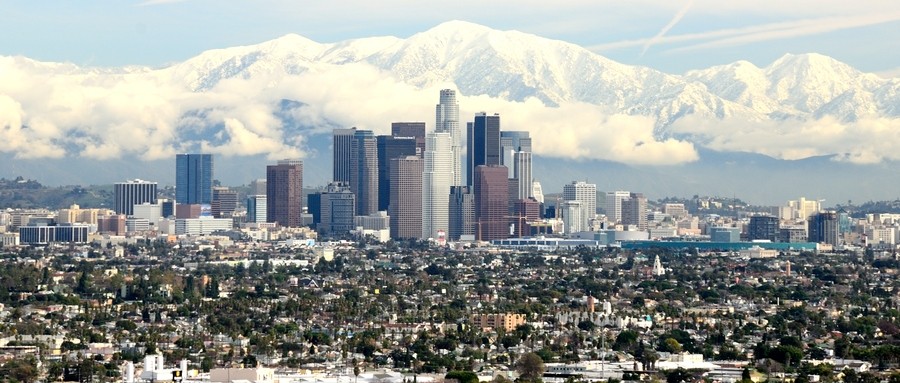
{"points": [[284, 193], [491, 202]]}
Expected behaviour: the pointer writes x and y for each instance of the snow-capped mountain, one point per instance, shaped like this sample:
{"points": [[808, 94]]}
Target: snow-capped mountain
{"points": [[802, 86], [231, 100], [517, 66]]}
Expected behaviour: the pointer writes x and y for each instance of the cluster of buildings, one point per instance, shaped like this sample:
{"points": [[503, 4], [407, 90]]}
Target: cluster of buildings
{"points": [[414, 184]]}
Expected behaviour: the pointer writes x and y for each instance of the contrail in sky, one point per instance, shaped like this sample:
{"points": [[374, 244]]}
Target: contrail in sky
{"points": [[665, 29]]}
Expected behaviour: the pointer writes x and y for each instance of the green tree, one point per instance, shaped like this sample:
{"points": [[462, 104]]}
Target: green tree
{"points": [[679, 375], [530, 367], [462, 376]]}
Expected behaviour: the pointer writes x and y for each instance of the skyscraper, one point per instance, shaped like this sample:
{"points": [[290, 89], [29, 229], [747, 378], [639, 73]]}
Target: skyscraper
{"points": [[462, 213], [634, 211], [224, 202], [364, 171], [257, 208], [491, 202], [338, 209], [133, 192], [406, 196], [572, 212], [447, 121], [824, 228], [587, 194], [284, 193], [390, 148], [763, 227], [614, 205], [436, 179], [341, 145], [483, 143], [193, 179], [411, 129], [515, 147]]}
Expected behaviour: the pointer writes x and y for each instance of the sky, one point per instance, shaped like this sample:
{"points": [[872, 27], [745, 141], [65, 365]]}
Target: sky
{"points": [[669, 35]]}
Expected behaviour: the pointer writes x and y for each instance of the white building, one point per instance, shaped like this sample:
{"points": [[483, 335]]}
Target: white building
{"points": [[585, 193], [202, 225], [256, 208], [447, 121], [537, 191], [802, 208], [251, 375], [436, 181], [377, 225], [614, 205], [572, 213], [149, 211], [9, 239]]}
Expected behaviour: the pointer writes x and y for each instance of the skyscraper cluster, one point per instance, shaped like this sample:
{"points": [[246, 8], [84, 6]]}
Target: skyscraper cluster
{"points": [[417, 177]]}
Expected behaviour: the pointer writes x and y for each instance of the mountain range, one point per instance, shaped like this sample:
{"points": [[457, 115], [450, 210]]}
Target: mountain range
{"points": [[588, 113]]}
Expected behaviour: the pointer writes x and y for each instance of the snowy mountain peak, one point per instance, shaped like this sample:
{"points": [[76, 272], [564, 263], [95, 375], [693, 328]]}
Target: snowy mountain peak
{"points": [[457, 28]]}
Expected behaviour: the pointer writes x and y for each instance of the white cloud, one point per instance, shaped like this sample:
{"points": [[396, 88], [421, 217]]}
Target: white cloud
{"points": [[148, 114], [867, 141], [890, 73]]}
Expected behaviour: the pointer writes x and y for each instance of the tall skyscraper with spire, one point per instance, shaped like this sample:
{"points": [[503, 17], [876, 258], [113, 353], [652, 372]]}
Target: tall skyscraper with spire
{"points": [[447, 121], [436, 179]]}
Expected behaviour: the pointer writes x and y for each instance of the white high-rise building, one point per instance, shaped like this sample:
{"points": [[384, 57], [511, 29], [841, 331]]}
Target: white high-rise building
{"points": [[537, 191], [516, 155], [614, 205], [436, 181], [447, 121], [587, 194], [572, 216]]}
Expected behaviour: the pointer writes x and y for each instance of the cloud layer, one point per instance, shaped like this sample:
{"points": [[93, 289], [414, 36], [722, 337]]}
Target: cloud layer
{"points": [[865, 141], [53, 111]]}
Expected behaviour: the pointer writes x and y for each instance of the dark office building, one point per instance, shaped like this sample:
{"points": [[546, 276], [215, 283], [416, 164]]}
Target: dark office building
{"points": [[338, 210], [314, 207], [193, 178], [411, 129], [284, 193], [491, 202], [224, 202], [824, 228], [483, 141], [364, 171], [168, 207], [390, 148], [461, 213], [341, 146], [763, 227]]}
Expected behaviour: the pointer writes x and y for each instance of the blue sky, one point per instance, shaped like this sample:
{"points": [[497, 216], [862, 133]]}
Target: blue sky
{"points": [[672, 36]]}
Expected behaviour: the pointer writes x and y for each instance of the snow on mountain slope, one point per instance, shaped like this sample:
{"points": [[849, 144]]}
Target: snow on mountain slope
{"points": [[479, 61], [799, 87]]}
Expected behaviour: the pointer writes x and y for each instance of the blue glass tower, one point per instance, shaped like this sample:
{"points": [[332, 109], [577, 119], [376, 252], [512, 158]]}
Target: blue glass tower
{"points": [[193, 178]]}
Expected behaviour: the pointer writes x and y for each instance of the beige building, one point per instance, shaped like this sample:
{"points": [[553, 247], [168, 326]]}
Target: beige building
{"points": [[507, 322], [251, 375]]}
